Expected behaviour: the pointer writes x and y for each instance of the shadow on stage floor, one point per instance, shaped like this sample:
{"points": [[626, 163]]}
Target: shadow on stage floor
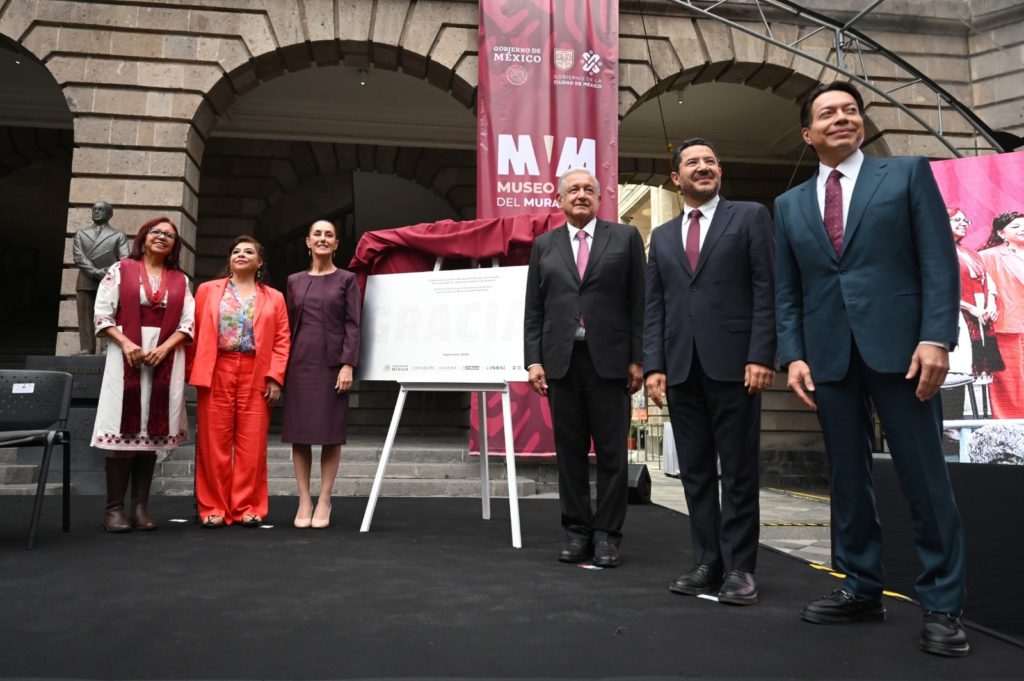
{"points": [[432, 591]]}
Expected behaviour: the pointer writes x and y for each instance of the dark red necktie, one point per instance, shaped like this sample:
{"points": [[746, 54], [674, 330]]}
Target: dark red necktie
{"points": [[693, 239], [834, 210]]}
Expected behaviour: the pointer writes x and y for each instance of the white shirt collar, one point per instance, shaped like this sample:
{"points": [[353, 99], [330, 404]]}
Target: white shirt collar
{"points": [[707, 209], [588, 228], [850, 167]]}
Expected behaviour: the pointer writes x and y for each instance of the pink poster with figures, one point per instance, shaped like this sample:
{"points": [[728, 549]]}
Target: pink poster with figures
{"points": [[985, 203], [547, 103]]}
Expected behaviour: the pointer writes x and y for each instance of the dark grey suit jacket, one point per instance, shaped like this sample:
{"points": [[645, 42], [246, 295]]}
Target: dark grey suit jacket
{"points": [[610, 297]]}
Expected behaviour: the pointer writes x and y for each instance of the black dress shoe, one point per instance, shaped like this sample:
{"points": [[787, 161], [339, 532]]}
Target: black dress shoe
{"points": [[944, 634], [842, 607], [701, 579], [606, 554], [575, 550], [738, 588]]}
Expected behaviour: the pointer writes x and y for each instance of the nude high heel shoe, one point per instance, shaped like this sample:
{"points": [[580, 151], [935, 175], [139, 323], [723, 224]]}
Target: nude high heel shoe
{"points": [[303, 522], [321, 521]]}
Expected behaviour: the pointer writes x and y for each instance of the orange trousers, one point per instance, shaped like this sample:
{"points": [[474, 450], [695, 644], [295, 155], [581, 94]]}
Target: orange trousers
{"points": [[232, 420]]}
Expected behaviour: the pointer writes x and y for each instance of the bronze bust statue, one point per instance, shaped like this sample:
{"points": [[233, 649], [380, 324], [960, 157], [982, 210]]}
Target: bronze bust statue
{"points": [[95, 249]]}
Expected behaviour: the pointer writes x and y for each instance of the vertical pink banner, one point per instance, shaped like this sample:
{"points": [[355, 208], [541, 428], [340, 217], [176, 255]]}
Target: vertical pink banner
{"points": [[547, 102]]}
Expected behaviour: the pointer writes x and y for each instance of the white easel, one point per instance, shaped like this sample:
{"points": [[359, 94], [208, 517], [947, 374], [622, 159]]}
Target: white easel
{"points": [[485, 487]]}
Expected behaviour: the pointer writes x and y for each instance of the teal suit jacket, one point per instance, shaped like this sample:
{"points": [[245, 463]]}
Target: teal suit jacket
{"points": [[895, 284]]}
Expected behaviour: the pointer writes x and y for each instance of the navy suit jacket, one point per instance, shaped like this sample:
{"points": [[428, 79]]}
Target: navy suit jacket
{"points": [[723, 308], [610, 297], [896, 283]]}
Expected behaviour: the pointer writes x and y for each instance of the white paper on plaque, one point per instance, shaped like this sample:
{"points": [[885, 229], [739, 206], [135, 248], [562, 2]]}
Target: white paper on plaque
{"points": [[462, 326]]}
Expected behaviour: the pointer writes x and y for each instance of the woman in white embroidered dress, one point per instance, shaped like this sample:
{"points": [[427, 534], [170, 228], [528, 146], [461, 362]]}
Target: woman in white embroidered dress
{"points": [[144, 306]]}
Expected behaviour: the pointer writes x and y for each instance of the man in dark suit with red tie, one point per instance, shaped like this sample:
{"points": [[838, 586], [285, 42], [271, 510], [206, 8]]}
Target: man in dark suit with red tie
{"points": [[709, 350], [867, 306], [582, 342]]}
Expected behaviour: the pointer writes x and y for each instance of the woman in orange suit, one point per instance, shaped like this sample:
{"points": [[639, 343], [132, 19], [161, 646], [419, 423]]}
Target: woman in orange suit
{"points": [[237, 364], [1004, 262]]}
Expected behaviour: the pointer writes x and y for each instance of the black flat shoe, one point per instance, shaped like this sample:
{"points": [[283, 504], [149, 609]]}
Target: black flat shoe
{"points": [[701, 579], [739, 588], [944, 635], [212, 522], [842, 607]]}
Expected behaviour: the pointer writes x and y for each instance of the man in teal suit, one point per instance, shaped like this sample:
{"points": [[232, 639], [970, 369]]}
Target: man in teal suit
{"points": [[867, 300]]}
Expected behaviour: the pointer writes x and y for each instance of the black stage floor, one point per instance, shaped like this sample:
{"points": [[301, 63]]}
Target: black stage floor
{"points": [[432, 591]]}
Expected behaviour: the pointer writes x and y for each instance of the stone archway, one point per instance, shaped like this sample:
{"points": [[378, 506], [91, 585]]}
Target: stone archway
{"points": [[36, 143], [269, 166], [284, 110], [676, 50], [727, 85]]}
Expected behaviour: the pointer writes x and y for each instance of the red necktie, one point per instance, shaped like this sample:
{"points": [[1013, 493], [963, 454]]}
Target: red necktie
{"points": [[834, 210], [693, 239]]}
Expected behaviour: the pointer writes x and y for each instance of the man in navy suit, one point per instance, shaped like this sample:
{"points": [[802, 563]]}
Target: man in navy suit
{"points": [[867, 305], [582, 342], [709, 349]]}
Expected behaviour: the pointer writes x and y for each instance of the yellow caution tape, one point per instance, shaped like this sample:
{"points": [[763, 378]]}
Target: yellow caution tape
{"points": [[840, 575], [796, 525]]}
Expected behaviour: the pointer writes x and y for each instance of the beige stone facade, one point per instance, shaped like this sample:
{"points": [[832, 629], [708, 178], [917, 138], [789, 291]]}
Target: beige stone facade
{"points": [[157, 95]]}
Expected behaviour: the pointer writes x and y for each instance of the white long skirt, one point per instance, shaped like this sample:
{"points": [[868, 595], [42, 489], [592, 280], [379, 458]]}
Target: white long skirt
{"points": [[107, 433]]}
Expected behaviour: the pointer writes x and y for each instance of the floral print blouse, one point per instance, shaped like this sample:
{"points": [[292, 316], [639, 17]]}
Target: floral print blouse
{"points": [[235, 333]]}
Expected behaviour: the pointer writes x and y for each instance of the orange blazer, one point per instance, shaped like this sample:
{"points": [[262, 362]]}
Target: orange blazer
{"points": [[270, 330]]}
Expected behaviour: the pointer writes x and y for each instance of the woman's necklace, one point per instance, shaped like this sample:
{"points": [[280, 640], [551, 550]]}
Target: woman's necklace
{"points": [[154, 296]]}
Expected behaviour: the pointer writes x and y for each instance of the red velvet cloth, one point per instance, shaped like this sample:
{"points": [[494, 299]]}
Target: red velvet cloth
{"points": [[417, 247]]}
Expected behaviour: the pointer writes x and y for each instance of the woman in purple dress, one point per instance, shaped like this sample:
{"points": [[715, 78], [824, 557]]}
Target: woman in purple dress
{"points": [[323, 310]]}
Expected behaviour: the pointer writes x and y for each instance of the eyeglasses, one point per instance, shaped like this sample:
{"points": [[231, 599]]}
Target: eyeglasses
{"points": [[170, 236]]}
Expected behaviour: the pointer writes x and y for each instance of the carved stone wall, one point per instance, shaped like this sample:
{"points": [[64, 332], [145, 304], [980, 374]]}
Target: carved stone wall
{"points": [[148, 84]]}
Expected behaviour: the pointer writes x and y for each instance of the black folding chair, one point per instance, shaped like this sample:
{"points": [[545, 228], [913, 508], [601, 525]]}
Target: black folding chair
{"points": [[34, 407]]}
